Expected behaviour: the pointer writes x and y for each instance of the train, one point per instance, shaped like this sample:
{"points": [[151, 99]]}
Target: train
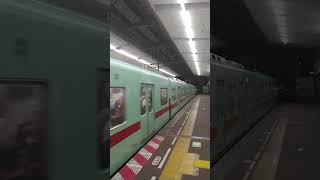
{"points": [[53, 93], [141, 102], [239, 98]]}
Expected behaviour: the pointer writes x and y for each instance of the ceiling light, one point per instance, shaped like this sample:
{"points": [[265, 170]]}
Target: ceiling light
{"points": [[198, 71], [186, 18], [162, 70], [281, 19], [192, 45], [189, 33], [112, 47], [123, 52], [142, 61], [182, 4], [195, 57]]}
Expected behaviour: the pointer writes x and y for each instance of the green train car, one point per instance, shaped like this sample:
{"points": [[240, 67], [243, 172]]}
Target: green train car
{"points": [[205, 89], [141, 102], [239, 97], [53, 77]]}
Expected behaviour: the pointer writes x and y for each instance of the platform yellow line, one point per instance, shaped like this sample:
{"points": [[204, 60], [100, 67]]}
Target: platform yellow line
{"points": [[180, 161], [202, 164]]}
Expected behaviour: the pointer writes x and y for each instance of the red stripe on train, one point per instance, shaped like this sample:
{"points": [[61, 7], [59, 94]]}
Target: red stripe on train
{"points": [[164, 110], [174, 105], [121, 135]]}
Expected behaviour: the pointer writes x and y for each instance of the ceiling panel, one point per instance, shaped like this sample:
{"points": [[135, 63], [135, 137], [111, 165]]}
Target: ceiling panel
{"points": [[169, 12], [299, 19]]}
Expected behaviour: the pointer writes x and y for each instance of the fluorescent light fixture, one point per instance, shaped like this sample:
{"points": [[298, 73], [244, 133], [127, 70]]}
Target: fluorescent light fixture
{"points": [[197, 65], [195, 57], [182, 4], [192, 46], [164, 71], [198, 71], [127, 54], [186, 18], [281, 20], [142, 61], [189, 32], [112, 47], [278, 6], [187, 22]]}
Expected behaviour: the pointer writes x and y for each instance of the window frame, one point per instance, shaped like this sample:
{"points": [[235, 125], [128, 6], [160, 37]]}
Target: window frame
{"points": [[175, 95], [151, 97], [167, 101], [125, 112], [45, 135]]}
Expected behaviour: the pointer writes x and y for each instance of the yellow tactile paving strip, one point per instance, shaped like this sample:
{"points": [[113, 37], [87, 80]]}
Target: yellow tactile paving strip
{"points": [[180, 161], [202, 164]]}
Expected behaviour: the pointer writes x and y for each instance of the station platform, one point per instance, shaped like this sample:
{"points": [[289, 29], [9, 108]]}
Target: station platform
{"points": [[284, 145], [180, 150]]}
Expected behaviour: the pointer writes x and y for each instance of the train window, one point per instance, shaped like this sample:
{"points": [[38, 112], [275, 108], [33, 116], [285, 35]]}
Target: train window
{"points": [[150, 100], [174, 94], [182, 94], [24, 113], [146, 97], [117, 106], [164, 96], [143, 100]]}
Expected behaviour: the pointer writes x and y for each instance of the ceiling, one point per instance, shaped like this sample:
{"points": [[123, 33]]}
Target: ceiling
{"points": [[138, 30], [137, 24], [250, 35], [294, 22], [234, 29], [169, 12]]}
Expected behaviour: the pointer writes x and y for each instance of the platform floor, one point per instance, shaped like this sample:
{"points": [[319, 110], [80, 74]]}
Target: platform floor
{"points": [[182, 148], [283, 146]]}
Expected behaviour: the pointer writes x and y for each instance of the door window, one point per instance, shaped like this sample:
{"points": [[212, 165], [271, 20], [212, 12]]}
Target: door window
{"points": [[174, 94], [117, 106], [164, 96], [150, 99], [143, 100], [24, 114]]}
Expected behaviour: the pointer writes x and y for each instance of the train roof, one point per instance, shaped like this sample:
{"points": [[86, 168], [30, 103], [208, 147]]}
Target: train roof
{"points": [[215, 59], [144, 71], [221, 60]]}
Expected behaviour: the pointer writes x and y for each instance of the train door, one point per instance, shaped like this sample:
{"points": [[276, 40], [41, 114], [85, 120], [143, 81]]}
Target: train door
{"points": [[147, 95]]}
